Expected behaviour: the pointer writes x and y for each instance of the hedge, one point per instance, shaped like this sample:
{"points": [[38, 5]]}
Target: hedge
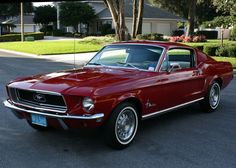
{"points": [[217, 50], [177, 33], [210, 49], [198, 46], [17, 37], [153, 36], [210, 34], [227, 51]]}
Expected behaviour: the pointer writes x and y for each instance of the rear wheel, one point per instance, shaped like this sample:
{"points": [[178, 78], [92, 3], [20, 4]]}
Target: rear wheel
{"points": [[122, 126], [212, 99]]}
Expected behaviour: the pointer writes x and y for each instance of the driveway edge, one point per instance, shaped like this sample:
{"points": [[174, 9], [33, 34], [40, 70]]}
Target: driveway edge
{"points": [[18, 53]]}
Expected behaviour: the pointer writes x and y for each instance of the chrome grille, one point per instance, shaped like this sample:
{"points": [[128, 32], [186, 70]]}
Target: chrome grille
{"points": [[40, 100]]}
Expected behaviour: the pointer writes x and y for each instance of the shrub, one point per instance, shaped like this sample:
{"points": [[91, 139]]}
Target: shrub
{"points": [[186, 39], [232, 38], [200, 38], [177, 33], [153, 36], [233, 31], [198, 46], [58, 32], [69, 34], [227, 51], [107, 29], [17, 37], [110, 35], [208, 34], [210, 49], [97, 40]]}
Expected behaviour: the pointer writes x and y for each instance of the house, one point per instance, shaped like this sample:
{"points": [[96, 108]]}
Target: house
{"points": [[155, 20], [13, 24]]}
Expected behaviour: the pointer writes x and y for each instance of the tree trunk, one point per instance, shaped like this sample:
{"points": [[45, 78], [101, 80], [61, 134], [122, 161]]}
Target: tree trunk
{"points": [[135, 11], [116, 9], [191, 17], [140, 17], [122, 20]]}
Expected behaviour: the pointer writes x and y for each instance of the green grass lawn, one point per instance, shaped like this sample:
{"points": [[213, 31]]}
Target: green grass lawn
{"points": [[51, 47]]}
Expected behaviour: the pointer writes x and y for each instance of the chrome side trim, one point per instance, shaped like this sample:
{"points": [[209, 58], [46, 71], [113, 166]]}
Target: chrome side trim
{"points": [[83, 117], [170, 109]]}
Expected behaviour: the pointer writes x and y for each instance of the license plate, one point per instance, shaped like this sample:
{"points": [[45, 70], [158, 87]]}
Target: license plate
{"points": [[39, 120]]}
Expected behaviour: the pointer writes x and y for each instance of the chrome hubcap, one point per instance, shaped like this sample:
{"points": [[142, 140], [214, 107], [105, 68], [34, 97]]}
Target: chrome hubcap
{"points": [[214, 96], [126, 125]]}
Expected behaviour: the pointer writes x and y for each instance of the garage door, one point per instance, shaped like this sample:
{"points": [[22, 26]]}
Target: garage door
{"points": [[163, 28], [146, 28]]}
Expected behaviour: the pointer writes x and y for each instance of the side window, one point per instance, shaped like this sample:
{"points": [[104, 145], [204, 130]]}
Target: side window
{"points": [[165, 65], [183, 57]]}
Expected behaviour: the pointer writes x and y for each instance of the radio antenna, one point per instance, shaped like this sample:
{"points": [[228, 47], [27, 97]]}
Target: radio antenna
{"points": [[74, 51]]}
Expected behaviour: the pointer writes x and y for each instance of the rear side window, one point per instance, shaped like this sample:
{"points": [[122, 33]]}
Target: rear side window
{"points": [[183, 57]]}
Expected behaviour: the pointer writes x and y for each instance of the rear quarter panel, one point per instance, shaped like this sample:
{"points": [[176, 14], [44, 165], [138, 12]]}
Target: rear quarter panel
{"points": [[214, 70]]}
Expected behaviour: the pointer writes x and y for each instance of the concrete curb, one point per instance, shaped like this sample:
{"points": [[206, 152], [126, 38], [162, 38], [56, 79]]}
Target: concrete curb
{"points": [[18, 53]]}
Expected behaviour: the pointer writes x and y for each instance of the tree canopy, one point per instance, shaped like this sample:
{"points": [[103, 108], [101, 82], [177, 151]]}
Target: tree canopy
{"points": [[45, 14], [73, 13], [196, 11], [13, 9]]}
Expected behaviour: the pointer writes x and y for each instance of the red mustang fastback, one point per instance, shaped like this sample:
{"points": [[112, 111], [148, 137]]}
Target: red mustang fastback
{"points": [[121, 85]]}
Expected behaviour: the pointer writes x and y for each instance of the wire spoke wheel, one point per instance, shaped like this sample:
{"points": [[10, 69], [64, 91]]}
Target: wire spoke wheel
{"points": [[122, 126], [125, 124], [214, 96]]}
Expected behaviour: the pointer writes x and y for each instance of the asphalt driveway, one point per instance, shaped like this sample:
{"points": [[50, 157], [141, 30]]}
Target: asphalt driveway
{"points": [[184, 138]]}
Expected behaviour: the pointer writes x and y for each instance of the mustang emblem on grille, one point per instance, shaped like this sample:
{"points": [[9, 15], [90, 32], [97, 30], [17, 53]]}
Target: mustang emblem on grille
{"points": [[39, 98]]}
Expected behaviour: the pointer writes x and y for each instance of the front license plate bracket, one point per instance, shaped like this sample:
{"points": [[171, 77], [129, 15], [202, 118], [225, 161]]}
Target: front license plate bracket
{"points": [[39, 120]]}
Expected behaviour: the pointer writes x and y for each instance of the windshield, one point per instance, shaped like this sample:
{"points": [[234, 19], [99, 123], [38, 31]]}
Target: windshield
{"points": [[132, 56]]}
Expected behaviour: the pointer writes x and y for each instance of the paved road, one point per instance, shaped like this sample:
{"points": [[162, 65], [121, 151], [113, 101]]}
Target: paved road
{"points": [[184, 138]]}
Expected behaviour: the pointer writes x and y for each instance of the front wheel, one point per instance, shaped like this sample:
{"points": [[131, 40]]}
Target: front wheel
{"points": [[212, 99], [122, 126]]}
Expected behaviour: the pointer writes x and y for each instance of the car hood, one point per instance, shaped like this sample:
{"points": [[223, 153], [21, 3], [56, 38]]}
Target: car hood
{"points": [[84, 80]]}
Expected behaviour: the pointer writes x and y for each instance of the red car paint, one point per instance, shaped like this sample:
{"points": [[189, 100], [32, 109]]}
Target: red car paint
{"points": [[152, 91]]}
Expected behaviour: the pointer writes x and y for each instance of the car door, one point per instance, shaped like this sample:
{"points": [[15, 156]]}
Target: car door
{"points": [[179, 78]]}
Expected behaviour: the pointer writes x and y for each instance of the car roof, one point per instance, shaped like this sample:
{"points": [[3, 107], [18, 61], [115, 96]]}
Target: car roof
{"points": [[157, 43]]}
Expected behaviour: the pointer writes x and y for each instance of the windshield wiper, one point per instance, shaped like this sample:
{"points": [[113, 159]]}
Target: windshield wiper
{"points": [[125, 63], [94, 63]]}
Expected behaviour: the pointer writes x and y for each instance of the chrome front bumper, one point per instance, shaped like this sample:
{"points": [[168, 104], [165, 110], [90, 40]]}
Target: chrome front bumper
{"points": [[11, 106]]}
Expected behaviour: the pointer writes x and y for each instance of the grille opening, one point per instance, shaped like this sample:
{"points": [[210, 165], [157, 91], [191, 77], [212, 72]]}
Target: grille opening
{"points": [[38, 99]]}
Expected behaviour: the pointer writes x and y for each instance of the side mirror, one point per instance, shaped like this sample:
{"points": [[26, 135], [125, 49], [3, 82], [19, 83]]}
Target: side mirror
{"points": [[174, 67]]}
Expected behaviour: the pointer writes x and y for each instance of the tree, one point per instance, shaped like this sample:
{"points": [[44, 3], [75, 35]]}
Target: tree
{"points": [[13, 9], [189, 9], [45, 15], [116, 9], [228, 7], [138, 6], [74, 13]]}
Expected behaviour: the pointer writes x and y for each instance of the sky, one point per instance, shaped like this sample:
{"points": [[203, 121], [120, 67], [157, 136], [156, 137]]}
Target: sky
{"points": [[42, 3]]}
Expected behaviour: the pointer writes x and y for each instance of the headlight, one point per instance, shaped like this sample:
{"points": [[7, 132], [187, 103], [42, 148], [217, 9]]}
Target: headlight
{"points": [[88, 103]]}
